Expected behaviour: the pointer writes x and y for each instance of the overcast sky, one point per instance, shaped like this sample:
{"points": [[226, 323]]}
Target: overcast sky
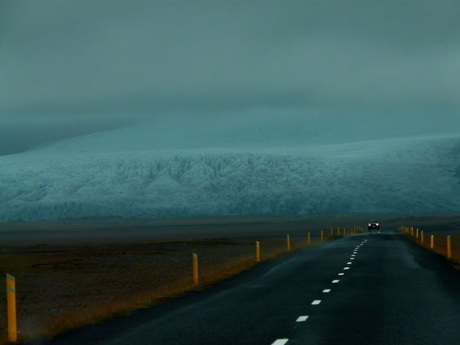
{"points": [[69, 67]]}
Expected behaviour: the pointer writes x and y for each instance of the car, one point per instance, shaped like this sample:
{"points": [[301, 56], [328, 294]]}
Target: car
{"points": [[373, 225]]}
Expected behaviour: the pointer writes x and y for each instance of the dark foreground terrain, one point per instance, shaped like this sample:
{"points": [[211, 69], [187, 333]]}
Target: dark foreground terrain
{"points": [[70, 273], [368, 288]]}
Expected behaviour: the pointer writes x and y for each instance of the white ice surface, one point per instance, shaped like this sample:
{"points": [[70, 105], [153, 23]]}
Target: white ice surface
{"points": [[81, 178]]}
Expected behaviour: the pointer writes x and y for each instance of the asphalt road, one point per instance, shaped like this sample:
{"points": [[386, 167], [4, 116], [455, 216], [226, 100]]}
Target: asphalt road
{"points": [[360, 289]]}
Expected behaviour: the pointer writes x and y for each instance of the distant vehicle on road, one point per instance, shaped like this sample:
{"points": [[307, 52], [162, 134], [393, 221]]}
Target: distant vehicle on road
{"points": [[373, 225]]}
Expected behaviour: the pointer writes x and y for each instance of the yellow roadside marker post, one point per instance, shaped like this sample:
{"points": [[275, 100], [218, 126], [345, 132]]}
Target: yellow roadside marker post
{"points": [[309, 238], [288, 243], [338, 231], [257, 251], [195, 269], [332, 232], [322, 234], [421, 236], [11, 302], [432, 242], [449, 248]]}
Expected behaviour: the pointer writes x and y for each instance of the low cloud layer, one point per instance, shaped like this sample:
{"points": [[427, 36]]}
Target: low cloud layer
{"points": [[77, 61]]}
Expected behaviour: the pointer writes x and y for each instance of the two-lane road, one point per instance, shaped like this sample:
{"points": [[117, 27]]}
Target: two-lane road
{"points": [[362, 289]]}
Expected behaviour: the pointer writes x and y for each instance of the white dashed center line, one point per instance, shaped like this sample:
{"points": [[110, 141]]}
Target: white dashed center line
{"points": [[302, 318], [318, 301]]}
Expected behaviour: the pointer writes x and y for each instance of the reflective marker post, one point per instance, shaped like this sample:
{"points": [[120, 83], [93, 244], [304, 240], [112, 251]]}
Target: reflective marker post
{"points": [[11, 297], [449, 248], [288, 243], [432, 242], [257, 251], [309, 238], [195, 269]]}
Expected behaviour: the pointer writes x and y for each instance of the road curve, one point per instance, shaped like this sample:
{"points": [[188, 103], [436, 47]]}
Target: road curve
{"points": [[371, 288]]}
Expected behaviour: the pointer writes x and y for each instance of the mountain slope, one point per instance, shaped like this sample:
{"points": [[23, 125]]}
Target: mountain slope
{"points": [[414, 175]]}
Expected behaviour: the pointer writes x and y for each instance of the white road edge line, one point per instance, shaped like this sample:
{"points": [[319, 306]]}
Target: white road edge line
{"points": [[341, 274], [326, 290], [302, 318], [346, 268], [280, 341], [316, 302], [335, 281], [349, 263]]}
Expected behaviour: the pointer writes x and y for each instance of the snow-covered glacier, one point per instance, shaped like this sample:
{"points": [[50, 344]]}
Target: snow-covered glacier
{"points": [[410, 175]]}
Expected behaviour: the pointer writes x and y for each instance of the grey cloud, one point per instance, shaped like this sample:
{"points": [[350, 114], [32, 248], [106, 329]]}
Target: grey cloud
{"points": [[76, 67], [21, 132], [133, 55]]}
